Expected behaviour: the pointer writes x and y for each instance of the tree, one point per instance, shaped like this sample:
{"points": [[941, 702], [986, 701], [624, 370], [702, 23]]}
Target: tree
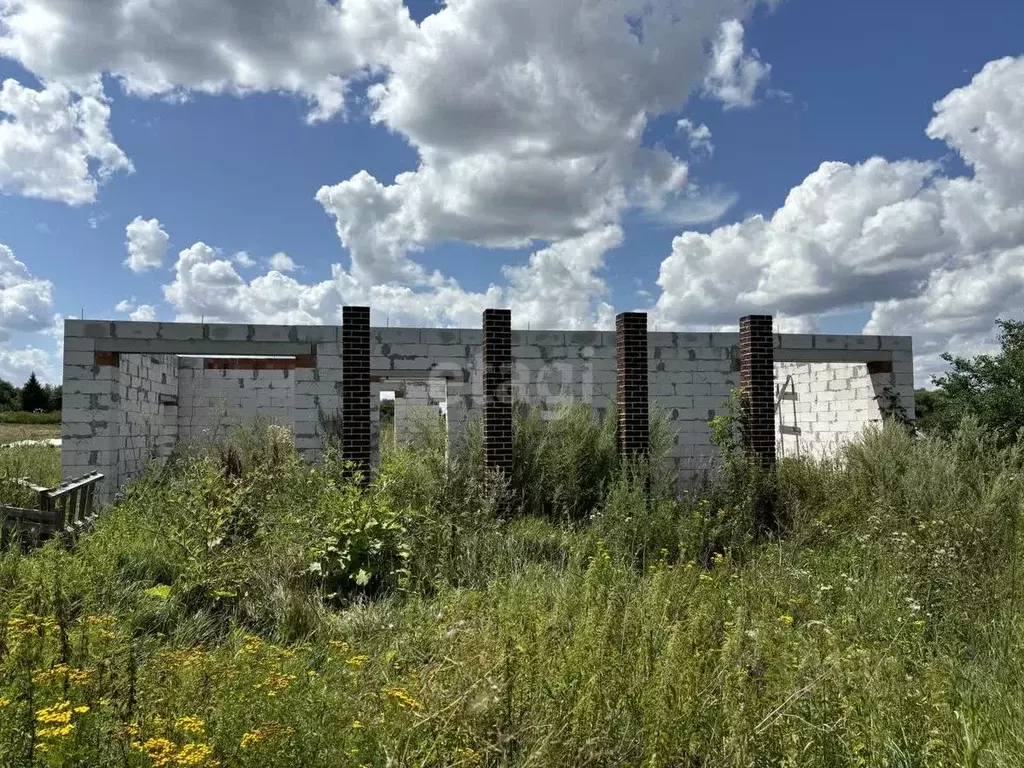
{"points": [[10, 397], [988, 387], [54, 397], [33, 395], [929, 406]]}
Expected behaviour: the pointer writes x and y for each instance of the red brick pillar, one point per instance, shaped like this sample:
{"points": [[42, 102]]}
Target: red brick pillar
{"points": [[631, 367], [757, 388], [498, 390], [355, 387]]}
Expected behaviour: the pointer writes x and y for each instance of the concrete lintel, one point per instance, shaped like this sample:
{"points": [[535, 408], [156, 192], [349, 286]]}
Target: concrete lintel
{"points": [[203, 347], [783, 355], [387, 376]]}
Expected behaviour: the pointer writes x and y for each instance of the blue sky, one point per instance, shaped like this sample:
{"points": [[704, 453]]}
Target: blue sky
{"points": [[847, 81]]}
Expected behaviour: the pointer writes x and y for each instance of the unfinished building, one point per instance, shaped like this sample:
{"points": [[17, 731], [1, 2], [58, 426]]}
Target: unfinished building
{"points": [[135, 390]]}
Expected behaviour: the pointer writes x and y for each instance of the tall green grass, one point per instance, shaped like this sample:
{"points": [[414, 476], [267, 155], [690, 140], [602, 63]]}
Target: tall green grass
{"points": [[26, 417], [241, 607]]}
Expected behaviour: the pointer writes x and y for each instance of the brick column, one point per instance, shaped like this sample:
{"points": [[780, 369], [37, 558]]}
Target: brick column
{"points": [[355, 387], [498, 390], [757, 387], [631, 375]]}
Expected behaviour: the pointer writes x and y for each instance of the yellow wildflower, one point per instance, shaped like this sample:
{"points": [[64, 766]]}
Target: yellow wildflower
{"points": [[252, 644], [55, 731], [195, 753], [254, 737], [276, 683], [23, 625], [356, 725], [356, 661], [787, 620], [159, 750], [58, 714], [339, 645], [403, 698], [44, 676], [4, 702], [190, 724], [81, 710]]}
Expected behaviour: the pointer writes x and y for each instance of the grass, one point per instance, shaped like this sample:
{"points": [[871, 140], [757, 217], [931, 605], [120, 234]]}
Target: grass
{"points": [[25, 417], [239, 608], [12, 432]]}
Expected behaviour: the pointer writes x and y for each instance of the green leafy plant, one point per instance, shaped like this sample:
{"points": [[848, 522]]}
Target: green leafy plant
{"points": [[727, 427]]}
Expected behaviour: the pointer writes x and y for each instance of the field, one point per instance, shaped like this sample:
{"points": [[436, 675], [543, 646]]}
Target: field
{"points": [[12, 433], [239, 608], [18, 425]]}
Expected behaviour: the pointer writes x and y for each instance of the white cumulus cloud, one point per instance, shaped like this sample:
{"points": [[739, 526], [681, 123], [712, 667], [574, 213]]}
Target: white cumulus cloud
{"points": [[559, 286], [16, 365], [139, 312], [311, 48], [55, 145], [522, 138], [927, 253], [26, 301], [282, 262], [146, 242], [735, 74]]}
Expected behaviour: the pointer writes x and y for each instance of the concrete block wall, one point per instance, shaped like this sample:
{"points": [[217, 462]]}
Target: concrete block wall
{"points": [[415, 402], [90, 428], [835, 401], [549, 368], [147, 389], [92, 419], [215, 396], [690, 377], [317, 394]]}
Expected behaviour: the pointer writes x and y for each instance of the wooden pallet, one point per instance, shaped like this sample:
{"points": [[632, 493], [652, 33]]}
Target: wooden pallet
{"points": [[65, 510]]}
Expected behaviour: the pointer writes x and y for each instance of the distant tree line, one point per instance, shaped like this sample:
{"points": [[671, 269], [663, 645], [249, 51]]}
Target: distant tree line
{"points": [[987, 388], [32, 396]]}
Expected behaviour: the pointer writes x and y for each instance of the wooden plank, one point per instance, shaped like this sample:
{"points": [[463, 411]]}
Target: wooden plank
{"points": [[787, 430], [24, 483], [80, 510], [29, 515], [90, 495], [69, 507], [75, 483], [66, 508]]}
